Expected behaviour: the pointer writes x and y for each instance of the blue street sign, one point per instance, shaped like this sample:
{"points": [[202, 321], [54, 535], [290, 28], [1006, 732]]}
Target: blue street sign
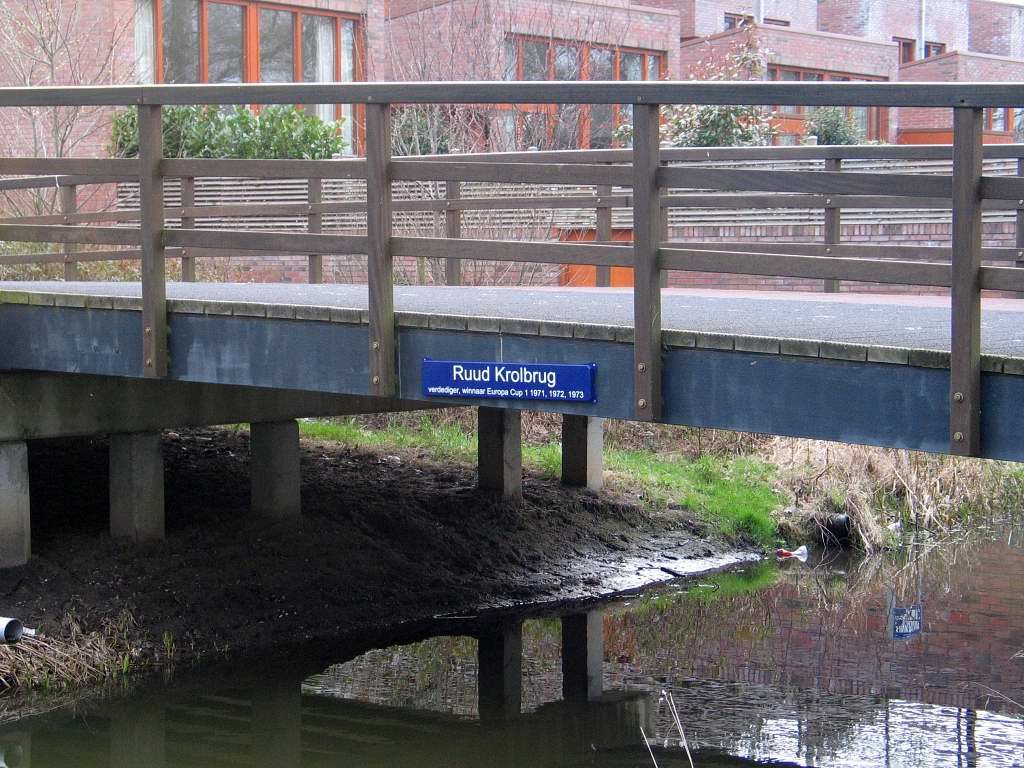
{"points": [[509, 381], [906, 622]]}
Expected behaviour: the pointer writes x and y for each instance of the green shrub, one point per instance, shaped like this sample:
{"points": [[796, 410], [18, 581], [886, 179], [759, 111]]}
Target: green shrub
{"points": [[833, 126], [277, 132]]}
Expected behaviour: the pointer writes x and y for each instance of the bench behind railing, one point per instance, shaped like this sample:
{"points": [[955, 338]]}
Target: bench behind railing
{"points": [[644, 172]]}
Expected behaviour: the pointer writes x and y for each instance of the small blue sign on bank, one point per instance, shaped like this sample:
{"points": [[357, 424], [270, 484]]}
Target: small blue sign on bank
{"points": [[509, 381], [906, 622]]}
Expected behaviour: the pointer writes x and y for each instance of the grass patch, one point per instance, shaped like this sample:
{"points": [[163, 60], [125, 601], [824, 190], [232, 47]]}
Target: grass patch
{"points": [[732, 493]]}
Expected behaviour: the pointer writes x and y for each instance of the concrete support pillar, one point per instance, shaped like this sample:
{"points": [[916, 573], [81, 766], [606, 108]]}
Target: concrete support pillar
{"points": [[138, 735], [277, 724], [499, 673], [582, 656], [276, 479], [137, 486], [582, 446], [500, 451], [15, 527]]}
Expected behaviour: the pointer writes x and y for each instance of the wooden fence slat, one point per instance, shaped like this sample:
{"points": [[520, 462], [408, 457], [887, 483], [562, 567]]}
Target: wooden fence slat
{"points": [[45, 233], [811, 267], [380, 262], [537, 252], [151, 225], [603, 232], [832, 222], [59, 166], [850, 250], [898, 184], [452, 230], [965, 344], [511, 173], [188, 201], [647, 231], [69, 207], [285, 242], [314, 224], [347, 168]]}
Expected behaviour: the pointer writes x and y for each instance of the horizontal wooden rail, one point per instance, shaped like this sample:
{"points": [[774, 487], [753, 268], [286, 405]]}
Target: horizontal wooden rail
{"points": [[741, 201], [539, 252], [61, 180], [39, 233], [511, 173], [265, 169], [852, 250], [1002, 188], [889, 184], [283, 242], [812, 267], [1002, 278], [850, 94], [58, 166]]}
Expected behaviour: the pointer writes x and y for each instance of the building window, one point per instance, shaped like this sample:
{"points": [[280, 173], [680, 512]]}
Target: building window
{"points": [[245, 41], [790, 119], [934, 49], [908, 49], [999, 120], [571, 126], [737, 21]]}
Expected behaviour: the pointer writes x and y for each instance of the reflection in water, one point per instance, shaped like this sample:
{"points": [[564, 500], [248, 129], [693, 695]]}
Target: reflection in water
{"points": [[797, 666]]}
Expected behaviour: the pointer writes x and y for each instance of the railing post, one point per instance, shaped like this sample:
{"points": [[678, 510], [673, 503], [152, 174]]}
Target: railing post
{"points": [[647, 232], [151, 223], [69, 207], [832, 222], [188, 200], [604, 231], [380, 263], [452, 229], [1020, 226], [965, 344], [314, 225]]}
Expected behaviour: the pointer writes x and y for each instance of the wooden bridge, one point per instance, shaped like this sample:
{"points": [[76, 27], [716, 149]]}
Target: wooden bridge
{"points": [[131, 359]]}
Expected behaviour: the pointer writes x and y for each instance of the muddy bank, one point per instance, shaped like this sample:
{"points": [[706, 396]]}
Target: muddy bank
{"points": [[384, 538]]}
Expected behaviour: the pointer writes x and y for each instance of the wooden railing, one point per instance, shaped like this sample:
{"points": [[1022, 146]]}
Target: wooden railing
{"points": [[645, 170]]}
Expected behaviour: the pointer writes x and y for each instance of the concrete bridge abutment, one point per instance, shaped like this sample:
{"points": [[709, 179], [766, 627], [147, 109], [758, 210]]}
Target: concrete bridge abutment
{"points": [[500, 672], [15, 517], [137, 486], [275, 475], [582, 451], [583, 656], [500, 451]]}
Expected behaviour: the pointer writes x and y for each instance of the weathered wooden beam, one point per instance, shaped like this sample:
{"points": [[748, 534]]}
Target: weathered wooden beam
{"points": [[452, 230], [889, 184], [965, 344], [812, 267], [511, 173], [852, 94], [603, 233], [380, 261], [188, 200], [69, 207], [44, 233], [285, 242], [646, 267], [58, 166], [265, 169], [832, 223], [513, 250], [151, 227], [849, 250], [314, 224]]}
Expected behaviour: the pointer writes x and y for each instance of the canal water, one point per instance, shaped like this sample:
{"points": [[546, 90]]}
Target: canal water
{"points": [[915, 659]]}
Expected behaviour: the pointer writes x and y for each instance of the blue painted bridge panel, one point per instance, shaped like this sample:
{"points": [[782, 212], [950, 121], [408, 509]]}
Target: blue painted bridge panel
{"points": [[876, 404]]}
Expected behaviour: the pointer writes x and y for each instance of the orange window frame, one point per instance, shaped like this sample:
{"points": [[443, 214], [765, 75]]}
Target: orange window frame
{"points": [[251, 44], [585, 49], [793, 122]]}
